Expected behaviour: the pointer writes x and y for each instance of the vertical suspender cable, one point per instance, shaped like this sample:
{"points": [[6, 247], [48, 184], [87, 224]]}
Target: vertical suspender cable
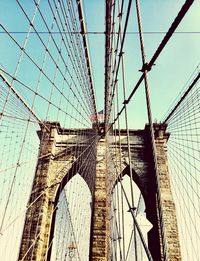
{"points": [[108, 9], [148, 103], [127, 130], [87, 56]]}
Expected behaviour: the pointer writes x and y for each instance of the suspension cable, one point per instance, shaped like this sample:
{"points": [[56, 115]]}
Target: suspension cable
{"points": [[159, 50]]}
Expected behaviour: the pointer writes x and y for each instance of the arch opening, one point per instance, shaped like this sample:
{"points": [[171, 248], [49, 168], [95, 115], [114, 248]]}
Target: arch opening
{"points": [[71, 235], [122, 221]]}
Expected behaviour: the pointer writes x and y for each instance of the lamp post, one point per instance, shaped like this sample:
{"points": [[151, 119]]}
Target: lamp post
{"points": [[72, 250]]}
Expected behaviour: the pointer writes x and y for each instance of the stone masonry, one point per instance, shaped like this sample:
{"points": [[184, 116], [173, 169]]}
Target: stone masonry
{"points": [[59, 159], [144, 176], [169, 211], [100, 220]]}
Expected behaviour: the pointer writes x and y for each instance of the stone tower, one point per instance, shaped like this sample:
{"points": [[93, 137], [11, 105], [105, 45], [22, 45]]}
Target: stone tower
{"points": [[58, 150]]}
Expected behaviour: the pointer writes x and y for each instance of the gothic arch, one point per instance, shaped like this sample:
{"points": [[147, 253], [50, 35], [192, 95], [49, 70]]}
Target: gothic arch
{"points": [[136, 178], [76, 169]]}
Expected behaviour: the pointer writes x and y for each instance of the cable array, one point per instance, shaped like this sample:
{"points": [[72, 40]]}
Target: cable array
{"points": [[115, 88], [123, 192], [44, 78], [46, 83], [183, 154]]}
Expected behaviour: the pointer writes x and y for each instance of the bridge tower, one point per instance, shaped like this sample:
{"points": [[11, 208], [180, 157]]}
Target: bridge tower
{"points": [[59, 160]]}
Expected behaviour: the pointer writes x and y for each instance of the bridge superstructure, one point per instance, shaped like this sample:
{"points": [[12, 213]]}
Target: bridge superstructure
{"points": [[65, 166], [64, 153]]}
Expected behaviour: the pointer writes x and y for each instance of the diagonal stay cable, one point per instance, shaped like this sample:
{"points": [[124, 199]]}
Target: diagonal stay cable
{"points": [[136, 223], [183, 97], [21, 99], [161, 46]]}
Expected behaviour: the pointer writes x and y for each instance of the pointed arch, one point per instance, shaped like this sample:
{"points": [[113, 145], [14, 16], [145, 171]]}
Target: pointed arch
{"points": [[76, 169]]}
